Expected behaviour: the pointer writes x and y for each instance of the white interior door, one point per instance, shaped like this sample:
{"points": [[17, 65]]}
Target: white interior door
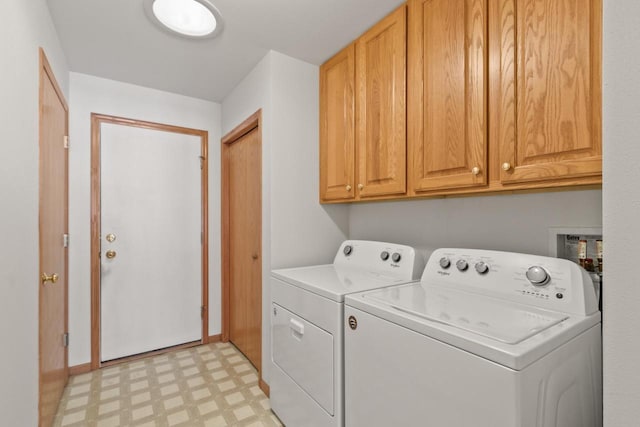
{"points": [[151, 290]]}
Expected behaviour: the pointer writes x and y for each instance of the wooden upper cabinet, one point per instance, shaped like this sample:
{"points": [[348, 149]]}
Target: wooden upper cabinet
{"points": [[447, 94], [337, 126], [547, 103], [381, 118]]}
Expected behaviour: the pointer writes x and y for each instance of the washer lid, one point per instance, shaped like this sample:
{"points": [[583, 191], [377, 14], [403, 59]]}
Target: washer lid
{"points": [[423, 308], [334, 282], [507, 322]]}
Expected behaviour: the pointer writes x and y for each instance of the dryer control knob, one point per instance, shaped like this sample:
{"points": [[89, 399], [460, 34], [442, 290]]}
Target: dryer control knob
{"points": [[396, 257], [482, 267], [384, 255], [538, 276], [462, 265], [347, 250], [445, 262]]}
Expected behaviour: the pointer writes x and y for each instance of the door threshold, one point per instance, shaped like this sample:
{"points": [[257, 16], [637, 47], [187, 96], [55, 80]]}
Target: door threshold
{"points": [[149, 354]]}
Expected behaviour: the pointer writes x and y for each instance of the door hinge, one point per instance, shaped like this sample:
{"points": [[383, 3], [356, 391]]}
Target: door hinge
{"points": [[202, 308], [65, 240], [66, 141], [201, 162], [65, 339], [202, 237]]}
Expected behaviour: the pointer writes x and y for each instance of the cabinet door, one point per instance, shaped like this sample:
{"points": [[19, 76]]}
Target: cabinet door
{"points": [[381, 79], [548, 110], [337, 126], [447, 93]]}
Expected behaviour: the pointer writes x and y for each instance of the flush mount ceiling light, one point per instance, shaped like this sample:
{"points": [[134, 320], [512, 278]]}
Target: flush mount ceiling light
{"points": [[194, 19]]}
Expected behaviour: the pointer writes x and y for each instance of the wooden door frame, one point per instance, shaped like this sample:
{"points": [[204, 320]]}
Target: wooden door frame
{"points": [[253, 122], [46, 72], [96, 122]]}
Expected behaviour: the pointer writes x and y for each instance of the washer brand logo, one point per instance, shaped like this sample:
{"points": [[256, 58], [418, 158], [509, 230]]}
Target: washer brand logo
{"points": [[353, 323], [395, 265], [444, 273]]}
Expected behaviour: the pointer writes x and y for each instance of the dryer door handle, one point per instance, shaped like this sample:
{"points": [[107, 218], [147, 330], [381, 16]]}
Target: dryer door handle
{"points": [[296, 327]]}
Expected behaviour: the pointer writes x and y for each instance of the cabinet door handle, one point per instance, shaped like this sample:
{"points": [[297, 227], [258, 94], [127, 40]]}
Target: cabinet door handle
{"points": [[506, 166], [348, 187], [360, 187], [475, 170]]}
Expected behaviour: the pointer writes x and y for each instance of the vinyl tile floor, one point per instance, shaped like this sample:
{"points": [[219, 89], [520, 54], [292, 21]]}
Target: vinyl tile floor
{"points": [[210, 385]]}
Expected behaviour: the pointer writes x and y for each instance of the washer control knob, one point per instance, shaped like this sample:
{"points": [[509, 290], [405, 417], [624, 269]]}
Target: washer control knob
{"points": [[347, 250], [445, 262], [538, 276], [462, 265], [384, 255], [396, 257], [482, 267]]}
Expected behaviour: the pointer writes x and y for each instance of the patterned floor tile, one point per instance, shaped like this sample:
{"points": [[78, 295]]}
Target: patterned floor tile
{"points": [[210, 385]]}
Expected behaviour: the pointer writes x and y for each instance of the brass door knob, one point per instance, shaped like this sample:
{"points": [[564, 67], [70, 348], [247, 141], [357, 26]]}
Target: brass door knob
{"points": [[506, 166], [111, 237], [475, 170], [111, 254], [348, 187], [46, 278]]}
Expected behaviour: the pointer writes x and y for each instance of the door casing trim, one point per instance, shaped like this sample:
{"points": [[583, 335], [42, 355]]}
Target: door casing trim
{"points": [[96, 121]]}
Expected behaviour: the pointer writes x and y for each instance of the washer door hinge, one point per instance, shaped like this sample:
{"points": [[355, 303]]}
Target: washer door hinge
{"points": [[65, 339]]}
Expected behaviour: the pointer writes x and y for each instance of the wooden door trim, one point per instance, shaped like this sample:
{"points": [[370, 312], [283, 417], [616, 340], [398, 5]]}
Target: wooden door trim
{"points": [[96, 121], [46, 72]]}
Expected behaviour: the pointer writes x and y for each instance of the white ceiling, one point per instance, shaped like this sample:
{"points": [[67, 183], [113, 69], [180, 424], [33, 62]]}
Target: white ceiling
{"points": [[114, 39]]}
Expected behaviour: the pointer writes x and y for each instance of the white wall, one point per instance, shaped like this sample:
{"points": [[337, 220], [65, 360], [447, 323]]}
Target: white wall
{"points": [[302, 231], [509, 222], [25, 27], [296, 229], [95, 95], [621, 196]]}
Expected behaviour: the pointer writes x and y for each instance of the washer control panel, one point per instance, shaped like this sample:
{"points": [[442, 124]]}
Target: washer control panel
{"points": [[545, 282]]}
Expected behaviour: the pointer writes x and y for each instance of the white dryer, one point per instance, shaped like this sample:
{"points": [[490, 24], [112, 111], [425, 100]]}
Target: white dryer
{"points": [[306, 385], [485, 339]]}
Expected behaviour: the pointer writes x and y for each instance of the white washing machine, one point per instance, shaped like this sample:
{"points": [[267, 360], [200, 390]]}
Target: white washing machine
{"points": [[307, 388], [485, 339]]}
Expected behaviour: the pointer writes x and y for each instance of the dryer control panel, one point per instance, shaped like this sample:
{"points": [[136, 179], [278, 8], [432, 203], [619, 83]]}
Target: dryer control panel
{"points": [[388, 259], [552, 283]]}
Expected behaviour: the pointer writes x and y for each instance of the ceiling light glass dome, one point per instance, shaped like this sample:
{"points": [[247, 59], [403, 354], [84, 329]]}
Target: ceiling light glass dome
{"points": [[188, 18]]}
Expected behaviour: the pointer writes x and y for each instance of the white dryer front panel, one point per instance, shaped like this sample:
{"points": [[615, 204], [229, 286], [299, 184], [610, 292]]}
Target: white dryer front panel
{"points": [[305, 353]]}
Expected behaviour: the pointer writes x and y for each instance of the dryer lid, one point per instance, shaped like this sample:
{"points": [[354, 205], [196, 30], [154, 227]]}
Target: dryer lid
{"points": [[334, 282], [493, 318]]}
